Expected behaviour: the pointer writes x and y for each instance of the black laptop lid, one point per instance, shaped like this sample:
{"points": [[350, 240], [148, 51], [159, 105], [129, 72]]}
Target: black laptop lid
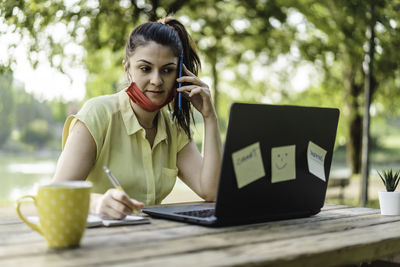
{"points": [[274, 126]]}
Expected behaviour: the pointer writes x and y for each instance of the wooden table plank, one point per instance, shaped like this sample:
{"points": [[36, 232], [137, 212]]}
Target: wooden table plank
{"points": [[333, 249], [187, 239], [157, 225]]}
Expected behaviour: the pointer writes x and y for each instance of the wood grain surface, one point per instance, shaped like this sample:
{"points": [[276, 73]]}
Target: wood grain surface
{"points": [[338, 235]]}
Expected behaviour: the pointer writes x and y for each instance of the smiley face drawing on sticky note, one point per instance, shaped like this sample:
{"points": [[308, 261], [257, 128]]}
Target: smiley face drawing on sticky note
{"points": [[283, 165]]}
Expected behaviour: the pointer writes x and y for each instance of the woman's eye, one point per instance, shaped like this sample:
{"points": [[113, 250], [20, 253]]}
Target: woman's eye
{"points": [[145, 68], [168, 70]]}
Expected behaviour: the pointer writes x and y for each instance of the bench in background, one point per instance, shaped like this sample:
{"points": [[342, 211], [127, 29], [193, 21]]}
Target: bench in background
{"points": [[341, 179]]}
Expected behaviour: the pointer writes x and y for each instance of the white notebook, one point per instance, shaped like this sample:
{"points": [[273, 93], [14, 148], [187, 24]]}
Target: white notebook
{"points": [[95, 220]]}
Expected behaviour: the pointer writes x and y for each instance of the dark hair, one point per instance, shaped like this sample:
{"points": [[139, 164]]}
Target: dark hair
{"points": [[169, 32]]}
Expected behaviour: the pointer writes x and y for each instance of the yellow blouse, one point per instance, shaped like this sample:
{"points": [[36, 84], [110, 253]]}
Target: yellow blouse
{"points": [[146, 173]]}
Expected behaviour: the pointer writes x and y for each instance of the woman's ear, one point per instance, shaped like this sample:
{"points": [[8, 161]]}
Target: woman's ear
{"points": [[128, 76]]}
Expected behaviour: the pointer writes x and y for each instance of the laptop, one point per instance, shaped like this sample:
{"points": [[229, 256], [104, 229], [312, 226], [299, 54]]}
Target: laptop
{"points": [[276, 164]]}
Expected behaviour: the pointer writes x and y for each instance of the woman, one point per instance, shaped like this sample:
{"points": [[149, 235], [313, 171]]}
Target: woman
{"points": [[141, 133]]}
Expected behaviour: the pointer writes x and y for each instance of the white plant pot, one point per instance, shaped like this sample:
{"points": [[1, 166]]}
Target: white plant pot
{"points": [[389, 202]]}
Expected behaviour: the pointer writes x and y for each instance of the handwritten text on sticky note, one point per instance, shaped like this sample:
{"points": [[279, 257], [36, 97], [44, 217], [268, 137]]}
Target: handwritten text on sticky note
{"points": [[248, 165], [283, 163], [316, 160]]}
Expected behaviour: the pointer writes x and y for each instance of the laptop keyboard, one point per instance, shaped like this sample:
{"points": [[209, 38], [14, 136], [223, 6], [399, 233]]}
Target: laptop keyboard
{"points": [[198, 213]]}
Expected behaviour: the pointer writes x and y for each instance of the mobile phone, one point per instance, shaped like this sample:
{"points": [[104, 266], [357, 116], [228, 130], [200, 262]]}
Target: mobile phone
{"points": [[180, 84]]}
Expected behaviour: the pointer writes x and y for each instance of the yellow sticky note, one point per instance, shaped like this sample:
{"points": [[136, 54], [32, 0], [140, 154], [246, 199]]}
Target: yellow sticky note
{"points": [[248, 165], [283, 165]]}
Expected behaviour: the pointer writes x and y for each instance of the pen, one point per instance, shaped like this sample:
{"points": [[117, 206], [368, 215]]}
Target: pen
{"points": [[115, 182], [180, 84]]}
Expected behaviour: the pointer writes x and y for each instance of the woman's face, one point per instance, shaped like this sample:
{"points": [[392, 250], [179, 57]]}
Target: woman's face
{"points": [[153, 67]]}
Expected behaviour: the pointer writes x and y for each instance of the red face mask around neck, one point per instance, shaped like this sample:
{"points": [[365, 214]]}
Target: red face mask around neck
{"points": [[137, 96]]}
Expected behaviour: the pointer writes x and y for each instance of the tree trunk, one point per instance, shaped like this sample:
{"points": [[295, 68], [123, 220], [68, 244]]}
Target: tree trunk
{"points": [[354, 143], [369, 83]]}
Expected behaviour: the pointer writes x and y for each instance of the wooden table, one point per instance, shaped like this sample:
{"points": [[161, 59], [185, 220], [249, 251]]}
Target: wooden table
{"points": [[338, 235]]}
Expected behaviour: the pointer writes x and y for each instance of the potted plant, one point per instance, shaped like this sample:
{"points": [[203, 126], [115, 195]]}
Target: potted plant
{"points": [[389, 200]]}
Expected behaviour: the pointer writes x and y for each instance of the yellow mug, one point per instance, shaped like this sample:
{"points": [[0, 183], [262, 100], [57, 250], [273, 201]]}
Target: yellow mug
{"points": [[62, 209]]}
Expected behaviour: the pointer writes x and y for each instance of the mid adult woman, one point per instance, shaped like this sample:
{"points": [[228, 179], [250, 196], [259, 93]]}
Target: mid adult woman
{"points": [[143, 133]]}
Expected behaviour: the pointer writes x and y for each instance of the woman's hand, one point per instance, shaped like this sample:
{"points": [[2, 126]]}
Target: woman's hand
{"points": [[201, 172], [198, 93], [115, 204]]}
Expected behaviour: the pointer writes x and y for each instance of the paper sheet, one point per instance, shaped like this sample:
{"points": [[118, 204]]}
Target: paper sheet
{"points": [[316, 160], [283, 163], [248, 165], [94, 220]]}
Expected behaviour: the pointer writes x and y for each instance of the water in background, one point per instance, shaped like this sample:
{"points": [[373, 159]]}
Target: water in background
{"points": [[22, 175]]}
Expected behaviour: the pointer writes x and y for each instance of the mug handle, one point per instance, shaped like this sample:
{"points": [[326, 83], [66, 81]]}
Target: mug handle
{"points": [[34, 226]]}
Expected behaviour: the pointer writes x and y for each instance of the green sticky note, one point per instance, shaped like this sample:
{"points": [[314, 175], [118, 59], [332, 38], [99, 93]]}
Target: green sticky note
{"points": [[283, 165], [248, 165]]}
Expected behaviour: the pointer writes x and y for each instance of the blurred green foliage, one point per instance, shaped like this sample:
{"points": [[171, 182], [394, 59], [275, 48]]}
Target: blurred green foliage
{"points": [[36, 133], [105, 69], [6, 107], [25, 119], [239, 42]]}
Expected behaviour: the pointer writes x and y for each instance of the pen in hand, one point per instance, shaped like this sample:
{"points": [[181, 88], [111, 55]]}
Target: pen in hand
{"points": [[115, 183]]}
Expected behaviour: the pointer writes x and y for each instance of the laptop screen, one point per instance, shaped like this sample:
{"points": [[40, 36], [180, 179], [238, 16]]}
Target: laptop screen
{"points": [[276, 159]]}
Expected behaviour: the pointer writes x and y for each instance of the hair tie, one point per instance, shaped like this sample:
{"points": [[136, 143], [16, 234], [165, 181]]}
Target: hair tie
{"points": [[162, 20]]}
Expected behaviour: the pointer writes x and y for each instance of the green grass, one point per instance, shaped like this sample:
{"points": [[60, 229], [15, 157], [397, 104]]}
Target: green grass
{"points": [[372, 203], [391, 141]]}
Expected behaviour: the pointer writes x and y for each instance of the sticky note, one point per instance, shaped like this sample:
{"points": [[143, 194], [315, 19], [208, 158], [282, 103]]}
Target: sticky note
{"points": [[316, 160], [248, 165], [283, 163]]}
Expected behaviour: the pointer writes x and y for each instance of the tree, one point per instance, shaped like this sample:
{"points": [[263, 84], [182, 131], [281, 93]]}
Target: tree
{"points": [[101, 28], [232, 35], [28, 108], [6, 107], [337, 30], [36, 133]]}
